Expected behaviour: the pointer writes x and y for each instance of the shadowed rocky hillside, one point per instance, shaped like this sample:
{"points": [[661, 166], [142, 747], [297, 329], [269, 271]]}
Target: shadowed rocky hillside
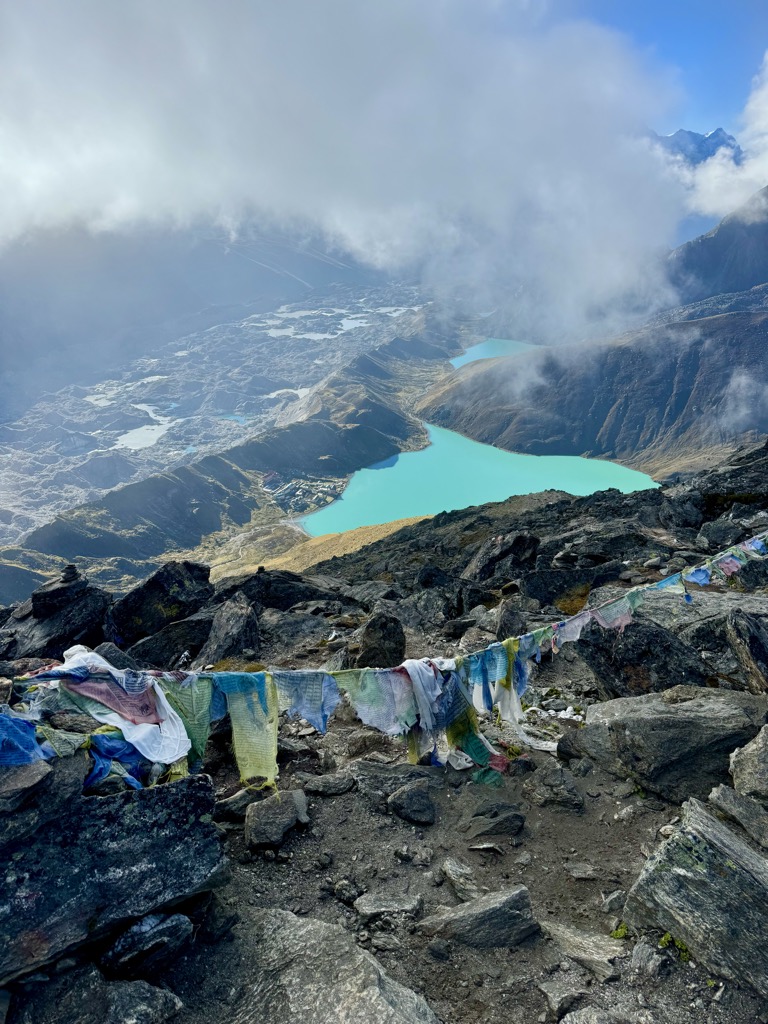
{"points": [[661, 398]]}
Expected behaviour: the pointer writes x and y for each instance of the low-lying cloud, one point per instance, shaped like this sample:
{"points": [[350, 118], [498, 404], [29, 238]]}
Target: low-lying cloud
{"points": [[490, 144]]}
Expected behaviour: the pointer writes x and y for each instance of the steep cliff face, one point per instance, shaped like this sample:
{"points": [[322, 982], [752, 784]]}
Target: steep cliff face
{"points": [[655, 397], [732, 257]]}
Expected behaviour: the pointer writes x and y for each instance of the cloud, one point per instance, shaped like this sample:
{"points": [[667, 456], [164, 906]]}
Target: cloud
{"points": [[490, 144], [719, 186]]}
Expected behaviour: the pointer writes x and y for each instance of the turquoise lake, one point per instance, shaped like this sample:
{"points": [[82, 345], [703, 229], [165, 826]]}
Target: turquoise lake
{"points": [[454, 472], [491, 348]]}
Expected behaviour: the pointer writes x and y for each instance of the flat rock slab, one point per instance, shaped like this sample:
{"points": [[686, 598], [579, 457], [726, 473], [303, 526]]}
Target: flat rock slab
{"points": [[373, 905], [101, 862], [749, 767], [709, 888], [593, 951], [326, 785], [315, 973], [747, 812], [498, 919], [267, 821], [676, 743]]}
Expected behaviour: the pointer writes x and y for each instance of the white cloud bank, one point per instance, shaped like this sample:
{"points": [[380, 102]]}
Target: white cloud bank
{"points": [[719, 186], [487, 142]]}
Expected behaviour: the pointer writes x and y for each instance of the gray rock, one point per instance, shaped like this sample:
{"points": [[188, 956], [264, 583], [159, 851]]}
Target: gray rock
{"points": [[325, 785], [267, 821], [754, 575], [581, 871], [747, 636], [313, 972], [553, 786], [749, 767], [347, 891], [499, 919], [613, 902], [747, 812], [375, 905], [116, 657], [690, 887], [175, 591], [494, 818], [233, 808], [147, 945], [648, 960], [675, 743], [362, 741], [561, 993], [382, 642], [413, 803], [511, 621], [591, 1015], [234, 629], [594, 952], [461, 879], [105, 862], [138, 1002], [455, 629], [502, 555]]}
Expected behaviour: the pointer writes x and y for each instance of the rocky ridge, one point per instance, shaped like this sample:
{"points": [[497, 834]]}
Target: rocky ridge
{"points": [[579, 889]]}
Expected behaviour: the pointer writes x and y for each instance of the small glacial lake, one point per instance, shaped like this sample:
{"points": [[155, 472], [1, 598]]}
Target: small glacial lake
{"points": [[491, 348], [454, 472]]}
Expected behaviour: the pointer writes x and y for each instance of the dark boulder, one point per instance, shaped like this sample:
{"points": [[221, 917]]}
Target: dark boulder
{"points": [[176, 591], [747, 636], [676, 743], [58, 615], [278, 588], [499, 919], [382, 642], [102, 862], [413, 803], [84, 996], [33, 794], [432, 576], [234, 633], [147, 945], [512, 622], [503, 556], [645, 658], [164, 649], [116, 657], [568, 589], [720, 534]]}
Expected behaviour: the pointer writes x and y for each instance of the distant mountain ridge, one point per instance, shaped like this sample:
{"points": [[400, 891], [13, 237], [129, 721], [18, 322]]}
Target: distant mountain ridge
{"points": [[732, 257], [695, 148]]}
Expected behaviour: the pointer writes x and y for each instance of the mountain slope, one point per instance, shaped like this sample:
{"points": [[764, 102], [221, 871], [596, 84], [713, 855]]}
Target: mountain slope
{"points": [[656, 399], [732, 257]]}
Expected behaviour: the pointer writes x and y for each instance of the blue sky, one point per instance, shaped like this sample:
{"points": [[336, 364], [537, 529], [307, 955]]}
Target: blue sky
{"points": [[716, 45]]}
